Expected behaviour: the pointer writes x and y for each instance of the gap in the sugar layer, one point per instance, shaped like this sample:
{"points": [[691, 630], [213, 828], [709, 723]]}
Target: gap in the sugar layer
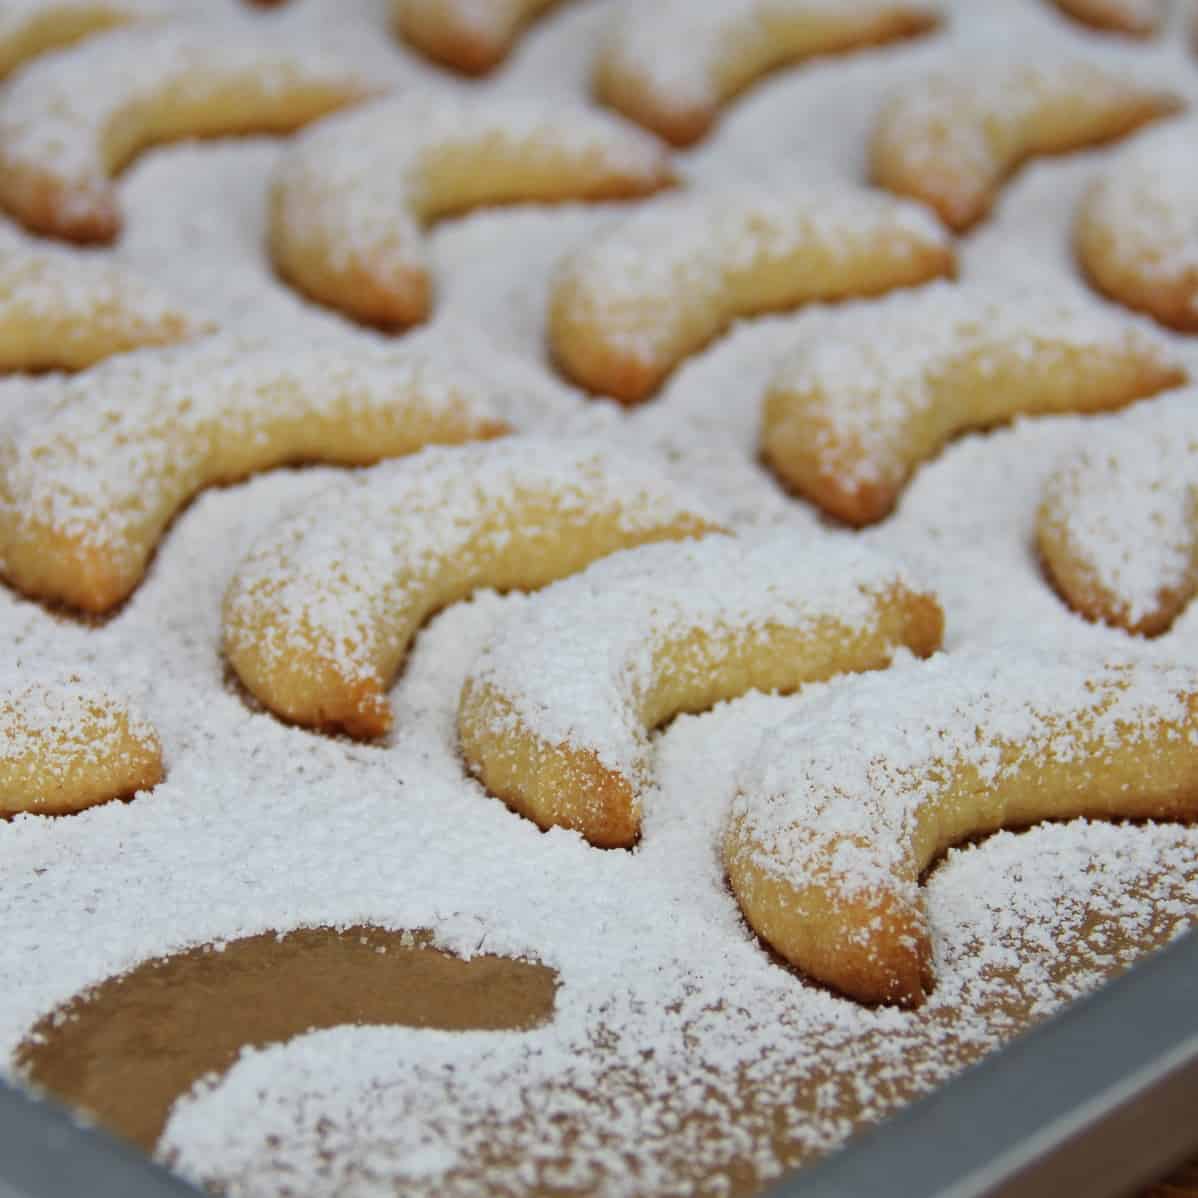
{"points": [[125, 1050]]}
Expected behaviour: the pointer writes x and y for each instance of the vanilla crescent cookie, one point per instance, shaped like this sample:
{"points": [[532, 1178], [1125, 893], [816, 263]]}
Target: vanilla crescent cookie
{"points": [[849, 802], [953, 137], [31, 27], [62, 310], [1140, 18], [869, 391], [93, 472], [1136, 231], [71, 120], [671, 65], [319, 616], [555, 714], [1117, 527], [67, 744], [631, 304], [351, 198], [464, 34]]}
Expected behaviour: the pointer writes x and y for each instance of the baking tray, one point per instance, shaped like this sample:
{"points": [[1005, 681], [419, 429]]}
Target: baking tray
{"points": [[1096, 1100]]}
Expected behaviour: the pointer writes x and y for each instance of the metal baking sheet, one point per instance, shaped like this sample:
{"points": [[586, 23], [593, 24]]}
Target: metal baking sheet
{"points": [[1097, 1100]]}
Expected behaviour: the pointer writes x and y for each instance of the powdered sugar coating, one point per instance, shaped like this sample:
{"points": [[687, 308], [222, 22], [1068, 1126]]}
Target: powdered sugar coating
{"points": [[71, 119], [29, 27], [848, 780], [577, 663], [320, 582], [868, 372], [362, 185], [1124, 502]]}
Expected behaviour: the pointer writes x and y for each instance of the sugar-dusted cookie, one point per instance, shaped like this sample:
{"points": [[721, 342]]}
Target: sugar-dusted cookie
{"points": [[630, 305], [953, 137], [1137, 227], [71, 120], [91, 477], [671, 65], [351, 198], [872, 779], [869, 391], [318, 618], [1117, 527], [61, 310], [464, 34], [1140, 18], [66, 744], [31, 27], [555, 714]]}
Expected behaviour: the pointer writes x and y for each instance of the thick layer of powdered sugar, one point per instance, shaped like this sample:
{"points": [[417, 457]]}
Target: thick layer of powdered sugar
{"points": [[857, 765], [577, 661], [863, 372], [362, 184], [321, 582], [1125, 500], [1146, 202]]}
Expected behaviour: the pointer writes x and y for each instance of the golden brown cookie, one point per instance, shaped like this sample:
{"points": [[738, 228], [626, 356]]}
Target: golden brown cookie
{"points": [[556, 712], [31, 27], [1117, 527], [318, 618], [875, 776], [70, 121], [352, 197], [870, 391], [1136, 231], [630, 305], [467, 36], [671, 65], [61, 310], [952, 138], [91, 477], [1140, 18], [66, 744]]}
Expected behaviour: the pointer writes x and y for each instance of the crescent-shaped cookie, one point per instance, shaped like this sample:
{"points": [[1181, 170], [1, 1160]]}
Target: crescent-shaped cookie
{"points": [[61, 310], [634, 302], [66, 745], [1117, 527], [671, 65], [463, 34], [71, 120], [952, 138], [1137, 227], [555, 715], [849, 802], [318, 618], [91, 478], [31, 27], [351, 198], [870, 391], [1140, 18]]}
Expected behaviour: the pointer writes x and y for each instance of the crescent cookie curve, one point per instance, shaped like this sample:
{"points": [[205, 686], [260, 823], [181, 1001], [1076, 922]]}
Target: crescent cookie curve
{"points": [[555, 715], [31, 27], [464, 34], [70, 121], [671, 65], [1137, 227], [1117, 527], [318, 618], [870, 391], [351, 199], [631, 305], [66, 745], [873, 778], [951, 139], [1141, 18], [65, 311], [91, 477]]}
